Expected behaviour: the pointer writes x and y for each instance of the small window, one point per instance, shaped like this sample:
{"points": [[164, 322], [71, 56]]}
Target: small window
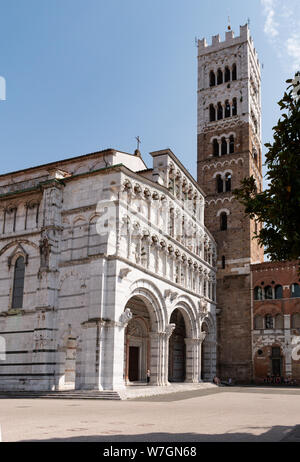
{"points": [[18, 289], [212, 79], [258, 293], [258, 322], [220, 111], [231, 144], [268, 293], [223, 221], [279, 321], [269, 322], [223, 262], [234, 107], [296, 320], [227, 74], [228, 182], [215, 148], [219, 77], [212, 113], [219, 184], [278, 292], [227, 109], [295, 290], [234, 73], [223, 146]]}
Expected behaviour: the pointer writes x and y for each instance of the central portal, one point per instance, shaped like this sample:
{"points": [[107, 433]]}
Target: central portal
{"points": [[134, 354], [177, 349]]}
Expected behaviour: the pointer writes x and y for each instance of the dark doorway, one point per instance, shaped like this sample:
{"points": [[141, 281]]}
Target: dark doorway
{"points": [[177, 349], [276, 361], [134, 363]]}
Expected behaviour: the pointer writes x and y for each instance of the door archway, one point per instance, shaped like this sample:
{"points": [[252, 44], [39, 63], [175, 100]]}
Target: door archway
{"points": [[177, 349]]}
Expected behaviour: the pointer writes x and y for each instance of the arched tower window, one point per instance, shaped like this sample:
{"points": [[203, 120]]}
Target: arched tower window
{"points": [[212, 79], [227, 74], [220, 111], [269, 322], [219, 184], [223, 146], [227, 109], [223, 221], [234, 73], [219, 77], [228, 182], [215, 148], [18, 288], [231, 144], [234, 107], [212, 113]]}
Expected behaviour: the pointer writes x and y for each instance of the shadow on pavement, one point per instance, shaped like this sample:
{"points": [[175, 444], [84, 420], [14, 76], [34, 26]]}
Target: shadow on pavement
{"points": [[275, 434]]}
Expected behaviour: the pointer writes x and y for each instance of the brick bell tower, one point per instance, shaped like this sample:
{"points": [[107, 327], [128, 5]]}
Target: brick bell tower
{"points": [[229, 149]]}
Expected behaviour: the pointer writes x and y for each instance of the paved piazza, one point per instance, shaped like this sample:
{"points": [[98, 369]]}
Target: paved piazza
{"points": [[223, 414]]}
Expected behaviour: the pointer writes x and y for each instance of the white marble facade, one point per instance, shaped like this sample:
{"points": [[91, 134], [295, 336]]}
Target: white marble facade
{"points": [[118, 272]]}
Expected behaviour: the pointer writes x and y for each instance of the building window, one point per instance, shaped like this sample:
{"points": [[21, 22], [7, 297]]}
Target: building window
{"points": [[234, 73], [223, 146], [258, 322], [296, 320], [234, 107], [228, 182], [231, 144], [215, 148], [278, 292], [219, 77], [212, 113], [219, 184], [268, 293], [212, 79], [279, 321], [18, 288], [258, 293], [295, 290], [227, 109], [268, 322], [223, 221], [227, 74]]}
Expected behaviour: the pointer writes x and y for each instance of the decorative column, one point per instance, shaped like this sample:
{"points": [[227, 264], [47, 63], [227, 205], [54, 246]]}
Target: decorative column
{"points": [[160, 356]]}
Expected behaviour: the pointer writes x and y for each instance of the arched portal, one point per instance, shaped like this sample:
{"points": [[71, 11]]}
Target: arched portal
{"points": [[137, 342], [177, 348]]}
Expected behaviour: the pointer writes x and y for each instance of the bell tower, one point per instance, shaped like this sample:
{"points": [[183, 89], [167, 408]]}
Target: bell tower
{"points": [[229, 149]]}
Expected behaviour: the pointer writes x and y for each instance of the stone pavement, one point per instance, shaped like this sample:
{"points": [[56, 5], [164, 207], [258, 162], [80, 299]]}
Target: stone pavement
{"points": [[219, 414]]}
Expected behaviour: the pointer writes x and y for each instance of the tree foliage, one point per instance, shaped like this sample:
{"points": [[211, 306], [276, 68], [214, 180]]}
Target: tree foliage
{"points": [[278, 207]]}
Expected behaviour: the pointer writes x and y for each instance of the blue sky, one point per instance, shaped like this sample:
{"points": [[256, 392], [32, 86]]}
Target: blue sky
{"points": [[85, 75]]}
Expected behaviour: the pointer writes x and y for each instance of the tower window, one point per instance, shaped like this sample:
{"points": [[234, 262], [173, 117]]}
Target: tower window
{"points": [[234, 107], [212, 79], [223, 221], [227, 74], [219, 77], [18, 289], [228, 182], [231, 144], [234, 73], [223, 146], [278, 292], [268, 322], [212, 113], [219, 184], [223, 262], [295, 290], [220, 111], [268, 293], [227, 109], [215, 148], [258, 293]]}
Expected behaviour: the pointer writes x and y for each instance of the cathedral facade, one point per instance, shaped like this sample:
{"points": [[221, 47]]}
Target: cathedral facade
{"points": [[107, 275]]}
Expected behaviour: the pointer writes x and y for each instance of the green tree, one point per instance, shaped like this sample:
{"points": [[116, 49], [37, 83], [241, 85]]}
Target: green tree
{"points": [[278, 207]]}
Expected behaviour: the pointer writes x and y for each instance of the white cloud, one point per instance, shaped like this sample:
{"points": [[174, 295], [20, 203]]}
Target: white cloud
{"points": [[282, 28]]}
